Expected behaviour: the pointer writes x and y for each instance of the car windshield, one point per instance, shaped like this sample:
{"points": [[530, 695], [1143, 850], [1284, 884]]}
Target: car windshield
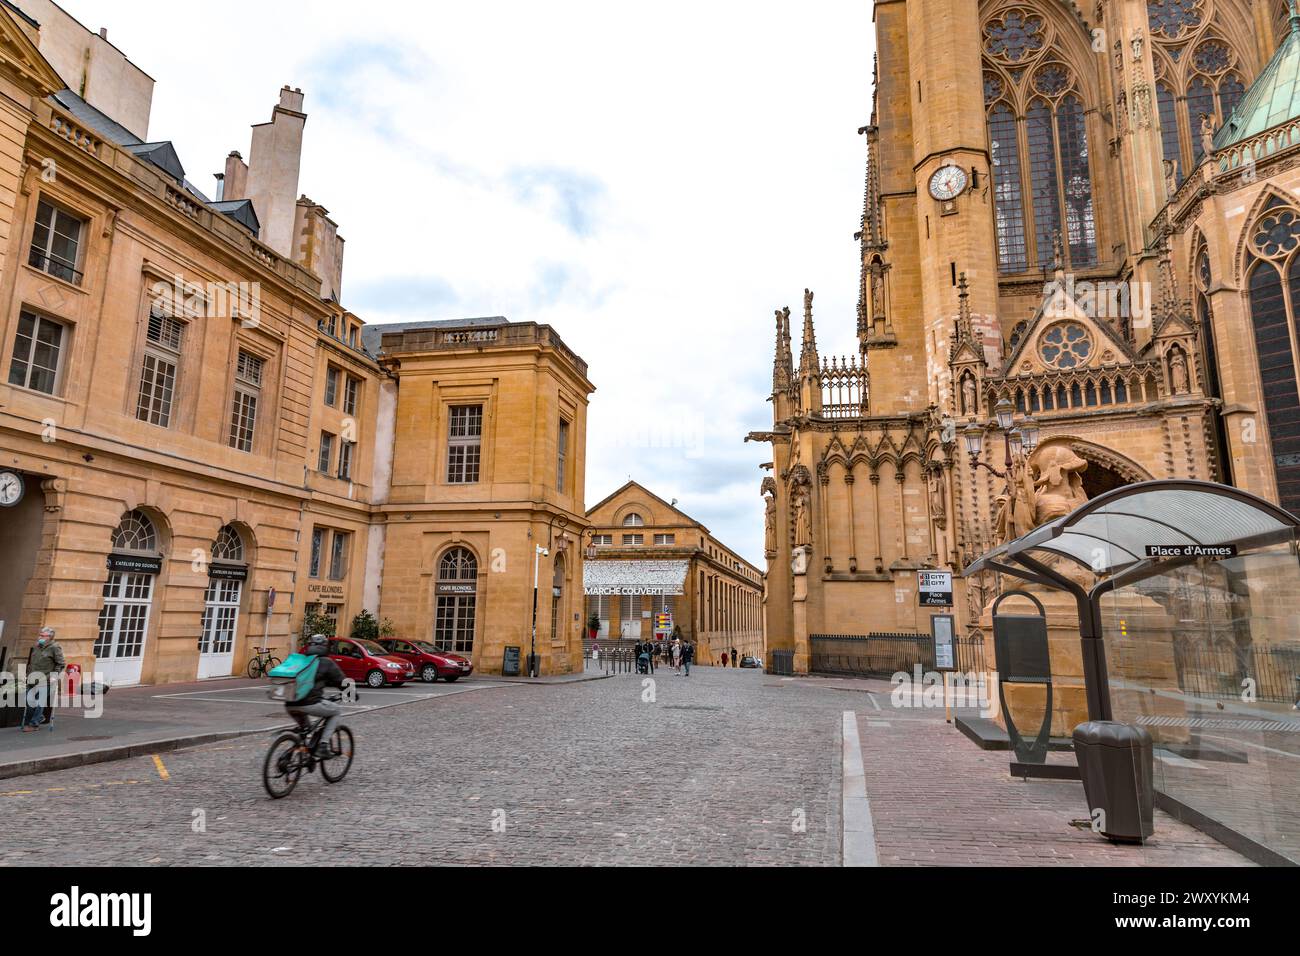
{"points": [[370, 647], [427, 647]]}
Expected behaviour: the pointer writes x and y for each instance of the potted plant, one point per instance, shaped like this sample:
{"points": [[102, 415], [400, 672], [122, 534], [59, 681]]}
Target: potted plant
{"points": [[593, 626]]}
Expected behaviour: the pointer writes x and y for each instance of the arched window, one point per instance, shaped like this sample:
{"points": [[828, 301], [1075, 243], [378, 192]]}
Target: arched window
{"points": [[1273, 285], [135, 532], [1199, 76], [633, 520], [228, 546], [457, 587], [1038, 142]]}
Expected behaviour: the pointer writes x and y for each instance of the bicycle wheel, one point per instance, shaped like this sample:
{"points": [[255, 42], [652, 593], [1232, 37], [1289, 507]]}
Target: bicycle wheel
{"points": [[283, 766], [271, 664], [255, 668], [343, 747]]}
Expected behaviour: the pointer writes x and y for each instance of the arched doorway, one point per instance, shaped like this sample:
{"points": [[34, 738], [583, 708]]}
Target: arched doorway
{"points": [[133, 566], [457, 596], [227, 572], [557, 601]]}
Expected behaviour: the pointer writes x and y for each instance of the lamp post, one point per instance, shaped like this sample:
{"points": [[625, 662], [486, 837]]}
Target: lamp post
{"points": [[1018, 442], [538, 554]]}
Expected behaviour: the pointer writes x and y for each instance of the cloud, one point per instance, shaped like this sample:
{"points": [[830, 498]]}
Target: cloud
{"points": [[653, 192], [571, 197]]}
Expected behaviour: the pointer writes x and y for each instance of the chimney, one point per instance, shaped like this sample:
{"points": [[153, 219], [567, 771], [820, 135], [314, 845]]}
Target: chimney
{"points": [[273, 165], [235, 180]]}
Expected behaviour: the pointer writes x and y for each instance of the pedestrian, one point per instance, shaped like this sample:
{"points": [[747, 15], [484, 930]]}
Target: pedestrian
{"points": [[735, 658], [688, 654], [724, 658], [45, 662], [677, 655]]}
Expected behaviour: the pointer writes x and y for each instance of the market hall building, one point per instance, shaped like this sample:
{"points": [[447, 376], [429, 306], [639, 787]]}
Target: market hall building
{"points": [[197, 445], [652, 567]]}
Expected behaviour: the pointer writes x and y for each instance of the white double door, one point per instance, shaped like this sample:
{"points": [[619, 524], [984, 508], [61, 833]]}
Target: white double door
{"points": [[123, 626], [220, 620]]}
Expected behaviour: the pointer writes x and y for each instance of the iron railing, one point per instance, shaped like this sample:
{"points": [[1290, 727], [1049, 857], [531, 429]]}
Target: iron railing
{"points": [[885, 654], [1221, 671], [781, 662]]}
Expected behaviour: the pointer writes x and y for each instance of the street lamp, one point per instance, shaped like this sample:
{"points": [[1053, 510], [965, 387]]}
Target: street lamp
{"points": [[1018, 443], [532, 647]]}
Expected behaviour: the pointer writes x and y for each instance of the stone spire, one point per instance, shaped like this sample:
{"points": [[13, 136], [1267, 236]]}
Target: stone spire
{"points": [[808, 360], [783, 364]]}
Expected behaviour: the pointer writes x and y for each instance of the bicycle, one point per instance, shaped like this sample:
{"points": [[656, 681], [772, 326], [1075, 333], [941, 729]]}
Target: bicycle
{"points": [[295, 751], [262, 662]]}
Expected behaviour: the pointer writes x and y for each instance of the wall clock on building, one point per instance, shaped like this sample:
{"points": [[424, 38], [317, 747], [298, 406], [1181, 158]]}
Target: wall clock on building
{"points": [[11, 489], [948, 182]]}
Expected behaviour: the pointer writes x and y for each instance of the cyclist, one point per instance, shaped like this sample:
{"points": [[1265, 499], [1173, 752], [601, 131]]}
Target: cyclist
{"points": [[314, 704]]}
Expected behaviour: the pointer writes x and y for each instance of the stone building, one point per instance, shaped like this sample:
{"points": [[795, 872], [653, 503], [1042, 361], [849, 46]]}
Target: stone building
{"points": [[648, 558], [1100, 233], [197, 443]]}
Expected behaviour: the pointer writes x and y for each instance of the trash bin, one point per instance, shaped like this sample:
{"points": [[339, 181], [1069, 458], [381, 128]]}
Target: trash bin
{"points": [[1115, 762]]}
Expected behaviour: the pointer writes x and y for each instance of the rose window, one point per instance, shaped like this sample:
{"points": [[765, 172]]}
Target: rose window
{"points": [[1277, 233], [1065, 346], [1171, 17], [1015, 36]]}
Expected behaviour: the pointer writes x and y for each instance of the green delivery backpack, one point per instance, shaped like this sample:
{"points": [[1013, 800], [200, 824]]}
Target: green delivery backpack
{"points": [[301, 669]]}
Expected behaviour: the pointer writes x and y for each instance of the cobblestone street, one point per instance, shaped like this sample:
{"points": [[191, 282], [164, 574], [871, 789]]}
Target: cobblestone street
{"points": [[717, 769]]}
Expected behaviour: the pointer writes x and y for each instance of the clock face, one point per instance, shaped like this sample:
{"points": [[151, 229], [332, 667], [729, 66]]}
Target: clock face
{"points": [[11, 489], [948, 182]]}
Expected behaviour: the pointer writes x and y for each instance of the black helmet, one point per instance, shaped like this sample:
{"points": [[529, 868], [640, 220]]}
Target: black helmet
{"points": [[317, 643]]}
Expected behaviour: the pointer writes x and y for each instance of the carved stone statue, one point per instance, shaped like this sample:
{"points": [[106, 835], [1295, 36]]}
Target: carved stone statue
{"points": [[938, 507], [1171, 177], [1178, 371], [1135, 42], [1207, 134], [968, 394], [1141, 106], [1058, 487], [769, 529], [802, 518]]}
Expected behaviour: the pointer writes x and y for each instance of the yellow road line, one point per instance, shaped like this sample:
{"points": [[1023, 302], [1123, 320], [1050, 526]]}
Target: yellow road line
{"points": [[162, 771]]}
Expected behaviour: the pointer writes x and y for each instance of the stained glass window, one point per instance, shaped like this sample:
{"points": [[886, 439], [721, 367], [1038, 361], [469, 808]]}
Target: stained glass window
{"points": [[1043, 180], [1172, 17], [1169, 129], [1009, 208], [1080, 224], [1015, 36], [1038, 140]]}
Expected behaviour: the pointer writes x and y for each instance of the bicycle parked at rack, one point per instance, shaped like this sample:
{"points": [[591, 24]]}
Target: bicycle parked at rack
{"points": [[293, 752], [262, 662]]}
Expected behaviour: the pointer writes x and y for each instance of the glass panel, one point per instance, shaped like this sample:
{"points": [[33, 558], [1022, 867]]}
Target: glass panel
{"points": [[1278, 377], [1009, 204], [1169, 129], [1042, 176], [1206, 657], [1080, 227]]}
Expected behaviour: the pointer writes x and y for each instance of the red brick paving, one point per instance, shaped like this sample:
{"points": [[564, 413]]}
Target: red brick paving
{"points": [[938, 800]]}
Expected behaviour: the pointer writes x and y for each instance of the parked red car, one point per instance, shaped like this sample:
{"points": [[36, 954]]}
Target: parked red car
{"points": [[429, 661], [368, 663]]}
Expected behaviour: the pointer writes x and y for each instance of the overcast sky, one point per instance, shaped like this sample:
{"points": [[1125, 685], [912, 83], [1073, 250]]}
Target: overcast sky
{"points": [[652, 181]]}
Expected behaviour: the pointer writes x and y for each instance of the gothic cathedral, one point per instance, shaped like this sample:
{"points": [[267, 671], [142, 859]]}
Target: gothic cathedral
{"points": [[1082, 215]]}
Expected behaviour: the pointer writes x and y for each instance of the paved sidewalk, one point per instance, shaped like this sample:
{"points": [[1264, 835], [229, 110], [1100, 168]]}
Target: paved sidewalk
{"points": [[134, 721], [938, 800]]}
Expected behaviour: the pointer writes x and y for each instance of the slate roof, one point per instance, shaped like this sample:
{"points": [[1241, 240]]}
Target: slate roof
{"points": [[1274, 97]]}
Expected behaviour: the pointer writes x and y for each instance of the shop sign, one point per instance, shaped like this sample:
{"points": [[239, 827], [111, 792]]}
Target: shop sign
{"points": [[134, 564], [228, 572]]}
